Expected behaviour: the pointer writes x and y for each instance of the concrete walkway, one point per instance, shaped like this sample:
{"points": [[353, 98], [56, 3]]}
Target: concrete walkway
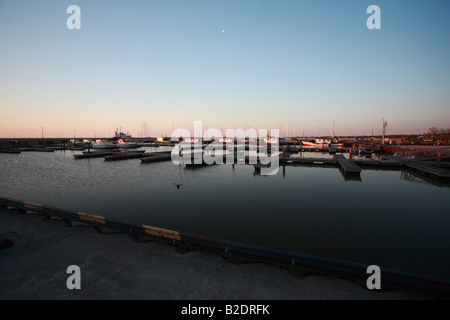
{"points": [[114, 266]]}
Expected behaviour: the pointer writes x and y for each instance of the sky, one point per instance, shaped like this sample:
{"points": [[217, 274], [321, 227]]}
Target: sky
{"points": [[295, 65]]}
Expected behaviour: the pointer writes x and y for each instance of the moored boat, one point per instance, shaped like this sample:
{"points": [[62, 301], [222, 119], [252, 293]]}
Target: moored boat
{"points": [[126, 144], [314, 145], [100, 144]]}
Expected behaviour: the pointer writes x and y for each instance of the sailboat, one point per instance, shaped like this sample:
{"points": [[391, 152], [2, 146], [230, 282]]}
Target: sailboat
{"points": [[334, 144]]}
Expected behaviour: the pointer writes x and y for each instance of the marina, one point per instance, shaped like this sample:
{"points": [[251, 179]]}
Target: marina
{"points": [[224, 150], [147, 188], [431, 167]]}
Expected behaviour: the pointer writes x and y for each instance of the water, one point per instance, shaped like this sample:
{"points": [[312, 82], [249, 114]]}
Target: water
{"points": [[383, 219]]}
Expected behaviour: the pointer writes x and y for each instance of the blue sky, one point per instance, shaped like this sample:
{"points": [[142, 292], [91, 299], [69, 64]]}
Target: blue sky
{"points": [[278, 64]]}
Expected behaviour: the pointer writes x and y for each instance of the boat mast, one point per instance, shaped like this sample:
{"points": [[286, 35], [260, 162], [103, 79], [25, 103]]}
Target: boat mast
{"points": [[332, 130], [384, 129]]}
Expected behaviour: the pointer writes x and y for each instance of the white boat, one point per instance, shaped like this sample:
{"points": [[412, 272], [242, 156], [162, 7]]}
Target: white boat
{"points": [[78, 143], [99, 144], [314, 145], [270, 140], [322, 143], [126, 144]]}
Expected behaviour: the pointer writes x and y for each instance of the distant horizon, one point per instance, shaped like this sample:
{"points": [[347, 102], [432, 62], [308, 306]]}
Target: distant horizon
{"points": [[167, 136], [137, 133]]}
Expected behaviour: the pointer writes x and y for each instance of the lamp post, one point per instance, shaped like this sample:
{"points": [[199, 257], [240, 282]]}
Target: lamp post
{"points": [[43, 141]]}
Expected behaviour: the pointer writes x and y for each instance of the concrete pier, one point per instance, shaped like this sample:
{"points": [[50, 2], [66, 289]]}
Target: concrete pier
{"points": [[114, 266]]}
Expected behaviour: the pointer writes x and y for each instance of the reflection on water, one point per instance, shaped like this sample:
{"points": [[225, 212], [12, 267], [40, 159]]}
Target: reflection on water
{"points": [[179, 181], [383, 219]]}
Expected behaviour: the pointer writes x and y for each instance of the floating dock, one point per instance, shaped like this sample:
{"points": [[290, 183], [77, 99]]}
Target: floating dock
{"points": [[155, 157], [35, 149], [125, 155], [429, 170], [423, 169], [96, 154], [10, 151], [348, 166]]}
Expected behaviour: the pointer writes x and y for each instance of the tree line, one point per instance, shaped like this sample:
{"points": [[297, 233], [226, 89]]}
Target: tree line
{"points": [[438, 131]]}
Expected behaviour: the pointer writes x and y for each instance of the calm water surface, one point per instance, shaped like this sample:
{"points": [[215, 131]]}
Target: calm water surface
{"points": [[383, 219]]}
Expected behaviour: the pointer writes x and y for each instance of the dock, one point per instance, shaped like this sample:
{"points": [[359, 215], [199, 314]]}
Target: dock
{"points": [[35, 149], [309, 161], [429, 170], [155, 157], [424, 169], [96, 154], [348, 166], [125, 155], [10, 151]]}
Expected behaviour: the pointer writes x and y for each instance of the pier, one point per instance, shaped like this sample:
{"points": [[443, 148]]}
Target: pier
{"points": [[156, 157], [429, 170], [119, 267], [96, 154], [348, 166], [353, 168], [185, 242], [125, 155]]}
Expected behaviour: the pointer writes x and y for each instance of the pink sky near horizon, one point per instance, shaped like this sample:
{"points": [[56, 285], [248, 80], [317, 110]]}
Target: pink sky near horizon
{"points": [[68, 127]]}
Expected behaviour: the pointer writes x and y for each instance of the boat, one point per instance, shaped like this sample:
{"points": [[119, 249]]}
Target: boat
{"points": [[322, 143], [314, 145], [100, 144], [270, 140], [120, 143], [79, 142]]}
